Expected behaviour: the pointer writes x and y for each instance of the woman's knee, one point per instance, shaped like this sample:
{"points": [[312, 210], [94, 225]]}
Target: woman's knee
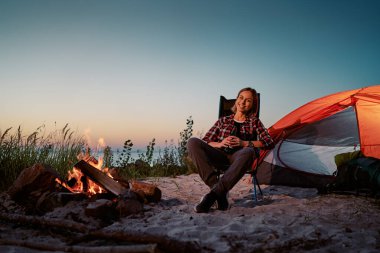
{"points": [[248, 154], [193, 143]]}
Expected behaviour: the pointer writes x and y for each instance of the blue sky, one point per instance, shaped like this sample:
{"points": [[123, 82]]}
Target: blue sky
{"points": [[138, 69]]}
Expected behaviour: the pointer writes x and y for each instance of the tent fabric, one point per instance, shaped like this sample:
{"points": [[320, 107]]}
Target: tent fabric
{"points": [[308, 138], [339, 129]]}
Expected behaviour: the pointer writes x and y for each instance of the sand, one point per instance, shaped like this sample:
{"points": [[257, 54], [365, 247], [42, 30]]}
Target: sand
{"points": [[286, 219]]}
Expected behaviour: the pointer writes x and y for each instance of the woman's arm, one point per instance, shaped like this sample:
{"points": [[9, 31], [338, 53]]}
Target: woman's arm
{"points": [[265, 139], [255, 144]]}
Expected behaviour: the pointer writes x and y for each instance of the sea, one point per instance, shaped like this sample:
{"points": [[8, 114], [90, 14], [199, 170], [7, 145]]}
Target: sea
{"points": [[135, 154]]}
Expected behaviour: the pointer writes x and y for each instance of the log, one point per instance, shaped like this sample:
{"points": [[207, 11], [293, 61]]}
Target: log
{"points": [[39, 177], [117, 177], [100, 178], [129, 203], [151, 192], [164, 242], [49, 222], [33, 185], [146, 248], [48, 201], [102, 208]]}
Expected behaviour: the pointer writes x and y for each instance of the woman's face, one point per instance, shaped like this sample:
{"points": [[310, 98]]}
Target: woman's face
{"points": [[244, 102]]}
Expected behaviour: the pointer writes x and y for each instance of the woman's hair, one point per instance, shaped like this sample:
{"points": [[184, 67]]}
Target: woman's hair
{"points": [[254, 102]]}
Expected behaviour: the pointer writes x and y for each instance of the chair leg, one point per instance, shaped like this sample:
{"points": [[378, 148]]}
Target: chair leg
{"points": [[256, 186]]}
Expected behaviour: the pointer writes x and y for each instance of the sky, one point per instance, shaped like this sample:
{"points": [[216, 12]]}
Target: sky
{"points": [[137, 69]]}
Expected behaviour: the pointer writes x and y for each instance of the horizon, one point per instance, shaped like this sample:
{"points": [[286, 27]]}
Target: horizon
{"points": [[137, 70]]}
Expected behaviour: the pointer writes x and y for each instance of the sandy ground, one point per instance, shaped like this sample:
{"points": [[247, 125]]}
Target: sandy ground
{"points": [[286, 219]]}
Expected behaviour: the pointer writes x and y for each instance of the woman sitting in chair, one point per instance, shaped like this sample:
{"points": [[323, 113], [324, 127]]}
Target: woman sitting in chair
{"points": [[229, 146]]}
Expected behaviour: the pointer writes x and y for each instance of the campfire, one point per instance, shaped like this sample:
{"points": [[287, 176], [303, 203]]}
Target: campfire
{"points": [[79, 182], [39, 189], [78, 210]]}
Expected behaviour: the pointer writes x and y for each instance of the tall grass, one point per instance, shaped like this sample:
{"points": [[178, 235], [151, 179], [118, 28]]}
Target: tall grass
{"points": [[60, 149]]}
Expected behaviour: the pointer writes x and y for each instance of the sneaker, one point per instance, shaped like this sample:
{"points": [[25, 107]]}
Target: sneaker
{"points": [[222, 202], [206, 202]]}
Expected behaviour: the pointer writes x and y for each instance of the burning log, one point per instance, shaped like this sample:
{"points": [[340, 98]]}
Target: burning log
{"points": [[116, 176], [100, 178], [149, 191]]}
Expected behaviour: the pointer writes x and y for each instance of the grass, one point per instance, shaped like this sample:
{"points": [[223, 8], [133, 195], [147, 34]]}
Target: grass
{"points": [[61, 148], [58, 149]]}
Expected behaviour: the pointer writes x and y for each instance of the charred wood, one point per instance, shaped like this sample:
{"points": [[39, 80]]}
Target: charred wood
{"points": [[100, 178]]}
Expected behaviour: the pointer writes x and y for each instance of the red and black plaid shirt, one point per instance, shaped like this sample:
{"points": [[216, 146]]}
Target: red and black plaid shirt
{"points": [[251, 129]]}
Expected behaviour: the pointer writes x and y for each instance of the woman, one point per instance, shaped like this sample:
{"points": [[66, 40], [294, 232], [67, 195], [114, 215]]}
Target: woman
{"points": [[228, 146]]}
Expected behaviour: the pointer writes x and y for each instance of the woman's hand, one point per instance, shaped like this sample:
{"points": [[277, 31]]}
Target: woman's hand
{"points": [[231, 142]]}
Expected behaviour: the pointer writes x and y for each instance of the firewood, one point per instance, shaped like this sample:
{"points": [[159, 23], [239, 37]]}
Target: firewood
{"points": [[152, 193], [50, 200], [100, 178], [33, 185], [164, 242], [122, 181], [66, 197], [49, 222], [129, 203], [117, 177], [38, 177], [145, 248], [102, 208]]}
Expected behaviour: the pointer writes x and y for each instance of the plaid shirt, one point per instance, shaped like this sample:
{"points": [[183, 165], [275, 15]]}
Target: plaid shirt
{"points": [[251, 129]]}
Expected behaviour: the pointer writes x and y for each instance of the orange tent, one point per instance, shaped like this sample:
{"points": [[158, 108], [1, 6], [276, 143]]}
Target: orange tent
{"points": [[313, 134]]}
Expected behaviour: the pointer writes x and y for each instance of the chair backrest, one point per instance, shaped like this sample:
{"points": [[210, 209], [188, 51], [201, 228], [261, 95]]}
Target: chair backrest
{"points": [[225, 106]]}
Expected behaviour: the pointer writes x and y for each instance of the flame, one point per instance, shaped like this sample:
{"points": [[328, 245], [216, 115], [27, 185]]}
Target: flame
{"points": [[101, 143], [83, 183], [77, 181]]}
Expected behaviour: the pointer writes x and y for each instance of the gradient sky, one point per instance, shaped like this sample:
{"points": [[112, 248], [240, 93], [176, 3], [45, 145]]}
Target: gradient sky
{"points": [[138, 69]]}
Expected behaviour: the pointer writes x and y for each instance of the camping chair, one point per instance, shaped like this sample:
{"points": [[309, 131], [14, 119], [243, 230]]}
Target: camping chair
{"points": [[225, 106]]}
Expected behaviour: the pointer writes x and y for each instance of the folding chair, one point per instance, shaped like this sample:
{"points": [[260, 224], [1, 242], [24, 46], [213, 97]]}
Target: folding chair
{"points": [[225, 106]]}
